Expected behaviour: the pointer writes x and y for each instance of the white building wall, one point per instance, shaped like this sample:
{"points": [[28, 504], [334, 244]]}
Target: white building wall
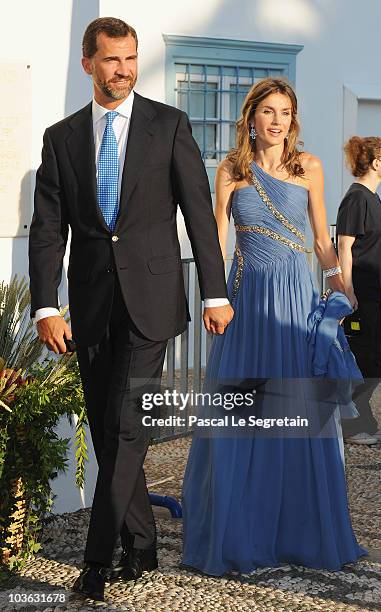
{"points": [[340, 39], [341, 47]]}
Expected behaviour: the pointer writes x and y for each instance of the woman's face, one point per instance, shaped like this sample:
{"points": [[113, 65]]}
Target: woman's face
{"points": [[272, 119]]}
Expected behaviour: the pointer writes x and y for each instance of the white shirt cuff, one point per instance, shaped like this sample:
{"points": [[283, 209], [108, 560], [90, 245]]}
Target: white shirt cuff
{"points": [[42, 313], [214, 302]]}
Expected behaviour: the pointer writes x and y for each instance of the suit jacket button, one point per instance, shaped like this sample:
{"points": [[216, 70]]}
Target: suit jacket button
{"points": [[115, 238]]}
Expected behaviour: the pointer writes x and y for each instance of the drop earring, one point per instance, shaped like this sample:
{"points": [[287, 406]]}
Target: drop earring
{"points": [[253, 133]]}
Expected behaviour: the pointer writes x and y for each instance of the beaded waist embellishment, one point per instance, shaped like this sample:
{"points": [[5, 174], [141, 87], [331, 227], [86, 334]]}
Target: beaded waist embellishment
{"points": [[270, 234]]}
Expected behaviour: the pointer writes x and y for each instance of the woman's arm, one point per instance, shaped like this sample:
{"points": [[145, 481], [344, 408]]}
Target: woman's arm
{"points": [[224, 186], [323, 246], [345, 256]]}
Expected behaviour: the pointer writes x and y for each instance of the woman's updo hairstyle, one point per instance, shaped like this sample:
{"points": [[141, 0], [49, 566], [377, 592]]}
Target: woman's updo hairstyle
{"points": [[361, 152]]}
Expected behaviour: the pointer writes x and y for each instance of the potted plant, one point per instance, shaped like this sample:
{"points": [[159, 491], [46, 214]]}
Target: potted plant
{"points": [[37, 389]]}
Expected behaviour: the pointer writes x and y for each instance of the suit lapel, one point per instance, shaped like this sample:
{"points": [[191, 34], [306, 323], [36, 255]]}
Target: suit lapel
{"points": [[138, 145], [81, 150]]}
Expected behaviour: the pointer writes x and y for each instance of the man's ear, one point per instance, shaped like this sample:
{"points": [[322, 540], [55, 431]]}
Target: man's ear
{"points": [[86, 63]]}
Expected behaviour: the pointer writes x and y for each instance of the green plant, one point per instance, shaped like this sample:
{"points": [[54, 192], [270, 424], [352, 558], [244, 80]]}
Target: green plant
{"points": [[36, 391]]}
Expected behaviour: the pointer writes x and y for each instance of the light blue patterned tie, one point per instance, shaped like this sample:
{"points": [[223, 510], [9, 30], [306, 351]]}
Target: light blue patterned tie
{"points": [[108, 171]]}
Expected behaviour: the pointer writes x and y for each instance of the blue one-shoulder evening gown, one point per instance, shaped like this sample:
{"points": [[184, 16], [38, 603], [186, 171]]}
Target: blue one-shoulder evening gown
{"points": [[257, 501]]}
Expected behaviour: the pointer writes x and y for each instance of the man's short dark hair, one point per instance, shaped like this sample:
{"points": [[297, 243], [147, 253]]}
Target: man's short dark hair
{"points": [[115, 28]]}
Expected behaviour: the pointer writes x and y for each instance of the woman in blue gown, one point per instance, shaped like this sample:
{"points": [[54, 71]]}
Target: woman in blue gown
{"points": [[252, 501]]}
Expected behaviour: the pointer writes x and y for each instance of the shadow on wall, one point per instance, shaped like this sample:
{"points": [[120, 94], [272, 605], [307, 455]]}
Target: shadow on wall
{"points": [[78, 94], [78, 85], [20, 242]]}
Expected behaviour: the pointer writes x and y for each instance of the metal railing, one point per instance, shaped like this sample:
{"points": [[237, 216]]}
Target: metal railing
{"points": [[186, 355], [192, 338]]}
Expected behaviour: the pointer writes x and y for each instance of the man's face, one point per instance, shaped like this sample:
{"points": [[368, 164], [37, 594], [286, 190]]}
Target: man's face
{"points": [[113, 67]]}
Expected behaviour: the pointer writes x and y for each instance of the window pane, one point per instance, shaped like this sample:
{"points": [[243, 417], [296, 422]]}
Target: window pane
{"points": [[260, 73], [199, 94], [182, 101], [196, 104], [203, 93], [211, 104], [237, 96], [275, 72], [208, 146]]}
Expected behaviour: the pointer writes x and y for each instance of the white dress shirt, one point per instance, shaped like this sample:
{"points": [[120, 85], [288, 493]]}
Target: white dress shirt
{"points": [[120, 126]]}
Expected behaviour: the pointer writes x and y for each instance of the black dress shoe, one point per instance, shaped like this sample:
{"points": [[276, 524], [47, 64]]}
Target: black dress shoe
{"points": [[91, 582], [134, 562]]}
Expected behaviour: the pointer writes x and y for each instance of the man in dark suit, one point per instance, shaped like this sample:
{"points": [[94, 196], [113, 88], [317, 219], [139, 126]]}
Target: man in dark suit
{"points": [[115, 172]]}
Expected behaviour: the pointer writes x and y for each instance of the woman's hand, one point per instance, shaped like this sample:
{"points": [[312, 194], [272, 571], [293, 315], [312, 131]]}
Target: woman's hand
{"points": [[352, 298]]}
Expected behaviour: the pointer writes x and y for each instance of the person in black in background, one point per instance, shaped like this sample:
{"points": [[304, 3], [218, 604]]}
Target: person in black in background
{"points": [[359, 244]]}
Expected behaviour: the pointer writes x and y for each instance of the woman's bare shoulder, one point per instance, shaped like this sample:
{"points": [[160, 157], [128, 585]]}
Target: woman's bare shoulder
{"points": [[224, 174], [225, 167], [311, 163]]}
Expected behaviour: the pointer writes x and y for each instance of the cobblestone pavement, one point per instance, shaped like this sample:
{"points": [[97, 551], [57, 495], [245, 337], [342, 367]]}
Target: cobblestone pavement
{"points": [[293, 588]]}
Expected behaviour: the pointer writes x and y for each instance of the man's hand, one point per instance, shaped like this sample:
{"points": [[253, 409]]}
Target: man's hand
{"points": [[52, 331], [217, 318]]}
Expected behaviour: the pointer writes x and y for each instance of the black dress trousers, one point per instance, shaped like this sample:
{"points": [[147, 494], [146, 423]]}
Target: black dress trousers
{"points": [[366, 347], [115, 373]]}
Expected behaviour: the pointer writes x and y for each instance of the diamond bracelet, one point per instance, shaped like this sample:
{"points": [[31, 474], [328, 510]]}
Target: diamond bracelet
{"points": [[332, 271]]}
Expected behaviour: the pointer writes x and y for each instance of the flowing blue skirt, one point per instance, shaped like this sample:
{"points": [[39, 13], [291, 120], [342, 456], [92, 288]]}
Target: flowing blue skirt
{"points": [[259, 501]]}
